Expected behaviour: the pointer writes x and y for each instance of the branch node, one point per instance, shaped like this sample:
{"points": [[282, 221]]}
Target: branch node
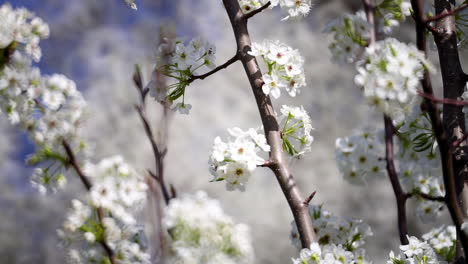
{"points": [[311, 196]]}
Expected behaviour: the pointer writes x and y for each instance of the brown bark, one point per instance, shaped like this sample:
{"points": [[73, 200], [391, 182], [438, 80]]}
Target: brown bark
{"points": [[278, 162]]}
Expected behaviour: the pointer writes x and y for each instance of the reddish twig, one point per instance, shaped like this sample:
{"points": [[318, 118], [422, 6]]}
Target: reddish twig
{"points": [[447, 101], [279, 164], [446, 14], [87, 183]]}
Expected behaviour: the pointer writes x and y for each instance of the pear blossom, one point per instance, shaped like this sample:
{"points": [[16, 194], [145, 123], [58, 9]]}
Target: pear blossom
{"points": [[389, 74], [349, 234], [443, 240], [234, 161], [358, 156], [350, 36], [327, 254], [131, 4], [180, 61], [285, 68], [200, 232], [293, 8], [296, 128]]}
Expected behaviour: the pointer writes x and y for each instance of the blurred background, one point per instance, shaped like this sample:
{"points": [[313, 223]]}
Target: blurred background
{"points": [[97, 44]]}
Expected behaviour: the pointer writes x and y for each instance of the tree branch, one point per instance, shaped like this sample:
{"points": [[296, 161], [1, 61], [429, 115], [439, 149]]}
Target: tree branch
{"points": [[446, 14], [451, 197], [158, 155], [279, 164], [215, 70], [400, 195], [256, 11], [87, 183], [445, 101], [428, 197]]}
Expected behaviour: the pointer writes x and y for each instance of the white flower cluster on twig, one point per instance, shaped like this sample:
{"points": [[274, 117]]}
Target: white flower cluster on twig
{"points": [[389, 73], [293, 8], [285, 68], [118, 191], [234, 161], [200, 232]]}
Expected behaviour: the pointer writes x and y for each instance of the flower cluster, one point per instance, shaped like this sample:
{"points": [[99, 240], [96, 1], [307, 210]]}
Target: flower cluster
{"points": [[48, 108], [350, 234], [328, 254], [19, 26], [443, 241], [296, 128], [131, 4], [351, 32], [184, 61], [389, 74], [285, 67], [417, 252], [294, 8], [360, 156], [200, 232], [390, 13], [117, 191], [117, 188], [235, 160], [419, 163], [350, 36]]}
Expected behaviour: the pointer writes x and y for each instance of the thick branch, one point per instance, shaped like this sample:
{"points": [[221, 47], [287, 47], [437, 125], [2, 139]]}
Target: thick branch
{"points": [[278, 160], [451, 197], [74, 163], [215, 70], [454, 83]]}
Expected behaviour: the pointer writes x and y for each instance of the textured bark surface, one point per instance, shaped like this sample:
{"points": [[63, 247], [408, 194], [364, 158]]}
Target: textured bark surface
{"points": [[277, 162]]}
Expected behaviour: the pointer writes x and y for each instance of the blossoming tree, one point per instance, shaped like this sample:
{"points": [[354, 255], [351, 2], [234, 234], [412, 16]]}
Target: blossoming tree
{"points": [[421, 149]]}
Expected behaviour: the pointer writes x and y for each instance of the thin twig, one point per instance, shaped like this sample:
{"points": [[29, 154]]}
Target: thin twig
{"points": [[167, 198], [215, 70], [428, 197], [446, 14], [279, 164], [87, 183], [150, 135], [256, 11], [446, 101], [311, 196], [400, 195]]}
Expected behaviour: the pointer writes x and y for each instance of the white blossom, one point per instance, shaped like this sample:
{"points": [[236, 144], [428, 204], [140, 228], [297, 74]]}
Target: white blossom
{"points": [[200, 232], [389, 74], [285, 68], [234, 161], [296, 128]]}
